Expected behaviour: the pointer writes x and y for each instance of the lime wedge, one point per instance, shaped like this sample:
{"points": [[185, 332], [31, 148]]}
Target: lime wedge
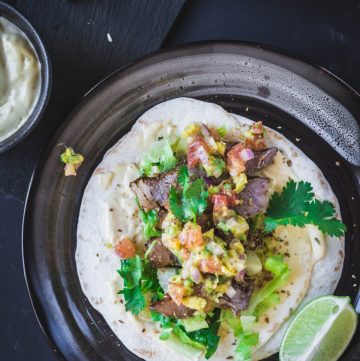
{"points": [[320, 331]]}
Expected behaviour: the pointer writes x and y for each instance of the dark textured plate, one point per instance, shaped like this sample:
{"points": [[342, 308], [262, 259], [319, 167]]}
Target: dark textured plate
{"points": [[246, 79]]}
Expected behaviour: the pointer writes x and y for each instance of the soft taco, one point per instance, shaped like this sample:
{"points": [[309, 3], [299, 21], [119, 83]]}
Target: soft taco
{"points": [[201, 232]]}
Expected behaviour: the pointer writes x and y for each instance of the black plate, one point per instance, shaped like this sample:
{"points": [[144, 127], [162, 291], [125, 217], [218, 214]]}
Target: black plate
{"points": [[243, 78]]}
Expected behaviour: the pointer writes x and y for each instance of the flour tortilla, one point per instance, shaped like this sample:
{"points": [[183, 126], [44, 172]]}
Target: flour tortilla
{"points": [[108, 213]]}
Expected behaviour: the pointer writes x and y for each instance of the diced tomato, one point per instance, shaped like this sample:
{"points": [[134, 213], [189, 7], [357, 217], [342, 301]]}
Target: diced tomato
{"points": [[125, 248], [232, 199], [191, 236], [257, 142], [193, 155], [211, 265], [235, 163], [258, 128], [220, 201], [176, 292]]}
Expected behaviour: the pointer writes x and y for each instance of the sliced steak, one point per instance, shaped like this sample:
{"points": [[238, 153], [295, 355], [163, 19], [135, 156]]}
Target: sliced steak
{"points": [[254, 198], [240, 300], [254, 239], [159, 255], [169, 308], [262, 158], [154, 192]]}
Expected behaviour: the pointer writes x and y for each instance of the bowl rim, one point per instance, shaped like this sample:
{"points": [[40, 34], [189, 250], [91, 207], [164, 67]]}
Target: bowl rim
{"points": [[20, 21]]}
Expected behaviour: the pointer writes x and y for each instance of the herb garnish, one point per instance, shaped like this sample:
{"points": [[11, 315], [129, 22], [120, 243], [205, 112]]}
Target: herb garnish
{"points": [[296, 206], [191, 201], [139, 278], [150, 220]]}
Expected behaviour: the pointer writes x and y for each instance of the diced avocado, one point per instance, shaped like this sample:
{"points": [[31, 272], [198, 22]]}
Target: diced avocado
{"points": [[240, 182], [194, 302]]}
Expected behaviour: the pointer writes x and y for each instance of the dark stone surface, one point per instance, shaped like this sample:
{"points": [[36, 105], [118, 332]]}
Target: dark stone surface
{"points": [[325, 32], [75, 35]]}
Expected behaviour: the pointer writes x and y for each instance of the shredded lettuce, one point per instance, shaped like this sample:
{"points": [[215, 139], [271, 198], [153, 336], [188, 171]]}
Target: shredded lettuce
{"points": [[245, 342], [279, 268], [205, 339], [160, 159], [269, 302], [245, 337], [193, 323]]}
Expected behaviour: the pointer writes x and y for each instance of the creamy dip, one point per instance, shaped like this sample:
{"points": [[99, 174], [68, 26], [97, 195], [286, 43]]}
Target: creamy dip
{"points": [[19, 78]]}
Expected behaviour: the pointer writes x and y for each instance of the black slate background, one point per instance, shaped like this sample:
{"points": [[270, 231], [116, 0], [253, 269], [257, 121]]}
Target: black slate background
{"points": [[75, 34]]}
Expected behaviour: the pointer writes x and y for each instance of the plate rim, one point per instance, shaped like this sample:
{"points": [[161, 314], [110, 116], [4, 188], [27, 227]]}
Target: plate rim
{"points": [[97, 88]]}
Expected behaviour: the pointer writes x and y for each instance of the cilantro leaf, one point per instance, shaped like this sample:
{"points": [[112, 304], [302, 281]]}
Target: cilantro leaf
{"points": [[160, 159], [321, 214], [183, 177], [191, 201], [134, 299], [175, 203], [150, 220], [296, 206], [139, 278]]}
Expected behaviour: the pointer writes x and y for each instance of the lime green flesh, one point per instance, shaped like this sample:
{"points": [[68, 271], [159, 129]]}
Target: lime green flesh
{"points": [[320, 331]]}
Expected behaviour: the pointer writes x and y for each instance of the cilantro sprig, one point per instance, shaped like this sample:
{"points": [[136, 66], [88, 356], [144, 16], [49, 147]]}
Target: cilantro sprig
{"points": [[205, 339], [191, 201], [150, 221], [296, 206], [139, 278]]}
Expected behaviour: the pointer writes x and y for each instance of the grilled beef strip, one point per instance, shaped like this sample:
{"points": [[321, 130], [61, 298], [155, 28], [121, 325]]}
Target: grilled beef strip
{"points": [[154, 192], [253, 198], [169, 308], [240, 300], [262, 158], [159, 255]]}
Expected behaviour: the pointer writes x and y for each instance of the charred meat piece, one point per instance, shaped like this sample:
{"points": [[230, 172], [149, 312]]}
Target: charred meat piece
{"points": [[159, 255], [254, 198], [262, 158], [227, 237], [240, 300], [154, 192], [143, 193], [254, 239], [169, 308], [205, 222]]}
